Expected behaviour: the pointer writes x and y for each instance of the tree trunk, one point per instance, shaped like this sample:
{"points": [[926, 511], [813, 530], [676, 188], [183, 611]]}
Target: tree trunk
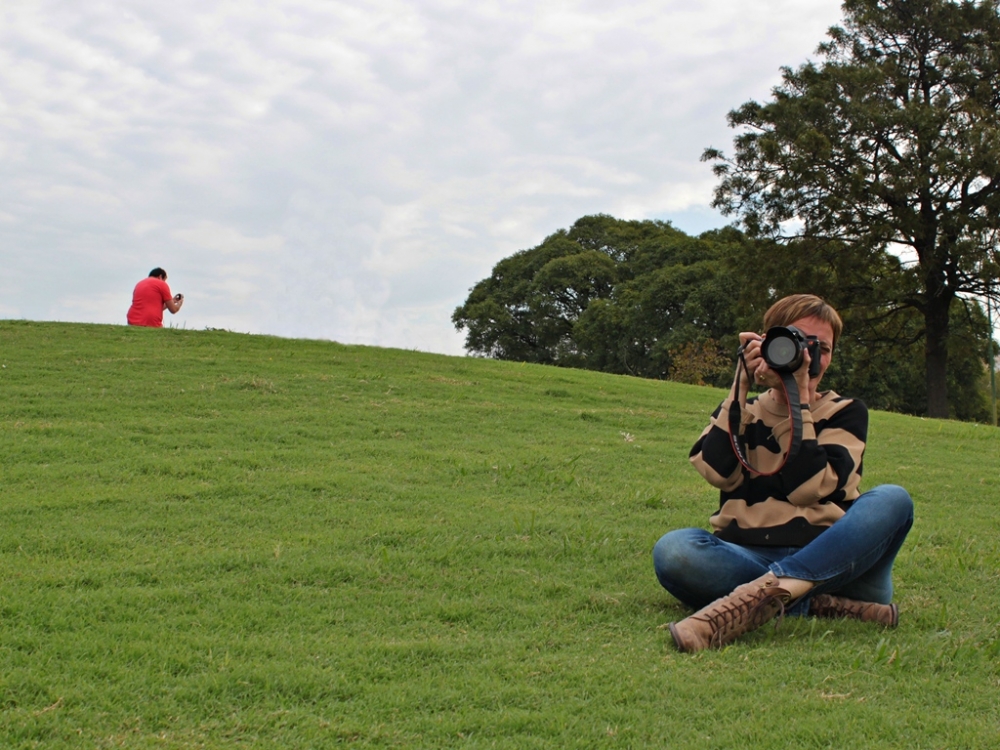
{"points": [[936, 322]]}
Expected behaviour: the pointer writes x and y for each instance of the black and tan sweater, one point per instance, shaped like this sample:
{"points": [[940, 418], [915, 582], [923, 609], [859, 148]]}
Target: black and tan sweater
{"points": [[809, 494]]}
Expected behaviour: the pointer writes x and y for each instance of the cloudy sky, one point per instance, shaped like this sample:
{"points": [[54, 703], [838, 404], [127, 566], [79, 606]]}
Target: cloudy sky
{"points": [[348, 170]]}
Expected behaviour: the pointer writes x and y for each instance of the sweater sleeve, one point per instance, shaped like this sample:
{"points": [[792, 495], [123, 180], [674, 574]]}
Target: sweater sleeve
{"points": [[829, 463], [713, 455]]}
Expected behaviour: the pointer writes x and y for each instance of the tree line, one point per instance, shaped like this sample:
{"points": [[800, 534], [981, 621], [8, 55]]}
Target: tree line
{"points": [[643, 298]]}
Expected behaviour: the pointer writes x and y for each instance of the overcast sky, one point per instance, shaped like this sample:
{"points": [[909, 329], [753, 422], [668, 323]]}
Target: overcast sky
{"points": [[348, 170]]}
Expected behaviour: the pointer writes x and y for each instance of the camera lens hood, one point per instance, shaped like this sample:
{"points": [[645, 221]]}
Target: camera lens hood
{"points": [[782, 348]]}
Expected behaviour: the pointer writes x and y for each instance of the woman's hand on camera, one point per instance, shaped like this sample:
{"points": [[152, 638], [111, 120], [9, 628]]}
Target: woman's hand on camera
{"points": [[757, 369], [756, 366], [763, 376]]}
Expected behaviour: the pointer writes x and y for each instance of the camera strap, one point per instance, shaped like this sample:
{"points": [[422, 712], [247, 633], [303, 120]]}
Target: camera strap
{"points": [[737, 431]]}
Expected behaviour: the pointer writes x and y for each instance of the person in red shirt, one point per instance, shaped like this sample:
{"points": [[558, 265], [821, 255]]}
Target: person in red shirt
{"points": [[150, 298]]}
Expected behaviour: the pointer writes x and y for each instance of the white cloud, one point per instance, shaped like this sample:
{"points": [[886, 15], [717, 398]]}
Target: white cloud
{"points": [[340, 170], [215, 238]]}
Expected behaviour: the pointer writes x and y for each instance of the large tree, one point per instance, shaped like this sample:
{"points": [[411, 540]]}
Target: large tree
{"points": [[613, 295], [891, 142]]}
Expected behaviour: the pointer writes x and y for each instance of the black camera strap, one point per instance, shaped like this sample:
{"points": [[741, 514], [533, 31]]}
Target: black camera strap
{"points": [[737, 431]]}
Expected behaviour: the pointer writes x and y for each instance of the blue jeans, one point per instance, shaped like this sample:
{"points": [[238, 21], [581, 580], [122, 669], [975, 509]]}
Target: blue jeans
{"points": [[853, 558]]}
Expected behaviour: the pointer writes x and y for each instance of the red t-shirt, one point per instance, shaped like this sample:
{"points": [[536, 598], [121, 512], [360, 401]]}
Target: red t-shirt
{"points": [[147, 302]]}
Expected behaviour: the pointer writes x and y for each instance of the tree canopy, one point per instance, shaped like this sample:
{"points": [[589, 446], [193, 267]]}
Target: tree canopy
{"points": [[608, 294], [892, 142]]}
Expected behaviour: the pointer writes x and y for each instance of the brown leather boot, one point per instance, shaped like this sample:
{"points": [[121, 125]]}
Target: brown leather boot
{"points": [[824, 605], [725, 619]]}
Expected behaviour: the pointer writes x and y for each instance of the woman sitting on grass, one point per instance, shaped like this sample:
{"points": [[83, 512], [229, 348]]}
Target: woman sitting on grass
{"points": [[796, 537]]}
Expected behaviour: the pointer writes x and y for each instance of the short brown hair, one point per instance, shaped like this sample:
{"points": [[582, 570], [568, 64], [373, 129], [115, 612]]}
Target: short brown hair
{"points": [[796, 306]]}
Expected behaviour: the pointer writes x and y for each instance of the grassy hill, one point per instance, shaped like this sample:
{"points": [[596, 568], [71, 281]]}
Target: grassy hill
{"points": [[228, 541]]}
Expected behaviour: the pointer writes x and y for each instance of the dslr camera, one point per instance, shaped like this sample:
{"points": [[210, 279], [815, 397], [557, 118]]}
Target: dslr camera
{"points": [[783, 346]]}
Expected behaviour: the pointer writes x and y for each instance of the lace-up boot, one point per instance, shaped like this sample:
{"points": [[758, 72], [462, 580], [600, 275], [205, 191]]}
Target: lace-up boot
{"points": [[824, 605], [748, 607]]}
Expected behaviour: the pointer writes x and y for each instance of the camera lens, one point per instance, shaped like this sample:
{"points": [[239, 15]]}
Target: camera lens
{"points": [[782, 351]]}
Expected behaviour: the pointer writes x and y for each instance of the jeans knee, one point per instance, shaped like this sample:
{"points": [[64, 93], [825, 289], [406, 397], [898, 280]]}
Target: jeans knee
{"points": [[672, 553], [896, 501]]}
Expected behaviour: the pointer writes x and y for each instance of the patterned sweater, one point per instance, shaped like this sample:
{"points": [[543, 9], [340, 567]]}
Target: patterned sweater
{"points": [[809, 494]]}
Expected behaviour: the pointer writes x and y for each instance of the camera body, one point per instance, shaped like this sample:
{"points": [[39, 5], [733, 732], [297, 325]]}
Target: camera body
{"points": [[783, 347]]}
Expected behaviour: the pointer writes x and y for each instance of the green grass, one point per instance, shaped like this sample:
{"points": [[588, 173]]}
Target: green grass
{"points": [[227, 541]]}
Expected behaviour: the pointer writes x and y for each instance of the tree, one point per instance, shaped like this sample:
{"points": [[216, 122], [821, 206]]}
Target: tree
{"points": [[893, 142], [526, 309], [676, 297], [612, 295]]}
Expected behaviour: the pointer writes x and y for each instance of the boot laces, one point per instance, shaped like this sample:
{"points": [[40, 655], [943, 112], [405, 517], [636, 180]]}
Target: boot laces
{"points": [[746, 613]]}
